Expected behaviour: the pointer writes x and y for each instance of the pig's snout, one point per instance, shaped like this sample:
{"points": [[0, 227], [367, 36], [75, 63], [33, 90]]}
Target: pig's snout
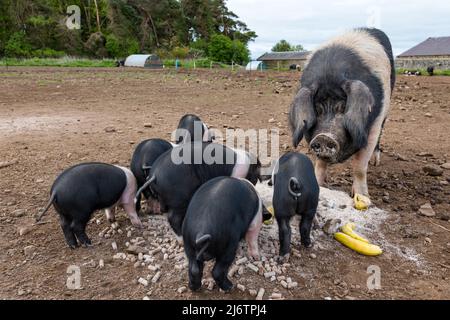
{"points": [[325, 147]]}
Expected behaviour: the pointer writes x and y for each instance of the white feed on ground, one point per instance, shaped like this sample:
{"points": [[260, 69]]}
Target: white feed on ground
{"points": [[336, 209]]}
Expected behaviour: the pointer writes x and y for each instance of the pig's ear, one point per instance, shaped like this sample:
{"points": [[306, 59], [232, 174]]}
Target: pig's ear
{"points": [[302, 116], [360, 102]]}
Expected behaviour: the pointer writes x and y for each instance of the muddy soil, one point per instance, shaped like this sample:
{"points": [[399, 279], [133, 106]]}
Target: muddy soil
{"points": [[52, 118]]}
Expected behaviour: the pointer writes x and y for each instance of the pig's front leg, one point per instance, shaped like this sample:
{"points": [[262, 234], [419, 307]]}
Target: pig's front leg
{"points": [[320, 170], [360, 163], [252, 235]]}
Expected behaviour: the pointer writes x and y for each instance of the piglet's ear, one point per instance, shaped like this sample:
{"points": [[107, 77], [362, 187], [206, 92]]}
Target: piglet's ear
{"points": [[360, 102], [302, 116]]}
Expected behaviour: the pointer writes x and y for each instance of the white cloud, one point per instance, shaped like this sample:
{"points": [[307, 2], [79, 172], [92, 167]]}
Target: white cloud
{"points": [[407, 22]]}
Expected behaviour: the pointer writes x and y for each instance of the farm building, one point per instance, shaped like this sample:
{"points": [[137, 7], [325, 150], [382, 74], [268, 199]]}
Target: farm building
{"points": [[144, 61], [283, 60], [432, 52]]}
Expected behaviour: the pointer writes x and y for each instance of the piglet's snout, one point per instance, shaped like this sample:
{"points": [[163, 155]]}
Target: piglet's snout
{"points": [[325, 146]]}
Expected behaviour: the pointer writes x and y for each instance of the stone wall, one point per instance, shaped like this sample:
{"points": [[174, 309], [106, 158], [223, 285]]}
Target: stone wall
{"points": [[439, 63]]}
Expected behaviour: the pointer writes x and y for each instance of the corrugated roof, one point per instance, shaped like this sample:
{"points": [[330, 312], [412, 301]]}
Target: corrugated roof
{"points": [[430, 47], [289, 55]]}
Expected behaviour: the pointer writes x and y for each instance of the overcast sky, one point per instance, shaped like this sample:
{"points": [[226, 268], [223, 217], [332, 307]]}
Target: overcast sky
{"points": [[406, 22]]}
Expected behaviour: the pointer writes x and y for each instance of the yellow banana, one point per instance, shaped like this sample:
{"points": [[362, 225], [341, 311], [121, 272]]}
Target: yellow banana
{"points": [[361, 202], [357, 245], [272, 212], [348, 230]]}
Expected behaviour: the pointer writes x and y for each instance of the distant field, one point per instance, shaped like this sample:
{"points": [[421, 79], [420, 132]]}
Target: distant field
{"points": [[84, 62], [57, 62]]}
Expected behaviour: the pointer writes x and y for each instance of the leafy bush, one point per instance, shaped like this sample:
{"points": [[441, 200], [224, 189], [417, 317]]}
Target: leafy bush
{"points": [[118, 48], [17, 46], [223, 49], [180, 52], [48, 53]]}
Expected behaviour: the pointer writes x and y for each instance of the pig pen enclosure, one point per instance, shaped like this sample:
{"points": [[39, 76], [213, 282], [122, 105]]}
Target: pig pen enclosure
{"points": [[52, 118]]}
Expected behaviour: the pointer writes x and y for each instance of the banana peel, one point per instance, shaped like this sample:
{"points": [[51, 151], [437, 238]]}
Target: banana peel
{"points": [[359, 246], [348, 230], [361, 202], [270, 220]]}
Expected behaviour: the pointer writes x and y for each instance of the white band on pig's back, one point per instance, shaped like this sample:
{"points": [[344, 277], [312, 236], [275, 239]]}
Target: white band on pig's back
{"points": [[242, 164], [260, 204], [129, 192]]}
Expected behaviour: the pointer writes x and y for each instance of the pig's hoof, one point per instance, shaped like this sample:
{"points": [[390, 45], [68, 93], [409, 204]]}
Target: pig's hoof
{"points": [[283, 259], [226, 285], [195, 286]]}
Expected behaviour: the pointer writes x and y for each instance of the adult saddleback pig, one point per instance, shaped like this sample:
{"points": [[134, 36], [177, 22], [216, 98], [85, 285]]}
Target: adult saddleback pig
{"points": [[189, 127], [344, 100], [179, 172], [80, 190]]}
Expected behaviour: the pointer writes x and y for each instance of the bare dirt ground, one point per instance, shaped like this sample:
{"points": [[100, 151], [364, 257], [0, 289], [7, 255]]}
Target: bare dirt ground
{"points": [[52, 118]]}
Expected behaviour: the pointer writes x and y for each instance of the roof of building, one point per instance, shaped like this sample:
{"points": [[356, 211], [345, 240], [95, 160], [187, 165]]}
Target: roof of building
{"points": [[289, 55], [430, 47]]}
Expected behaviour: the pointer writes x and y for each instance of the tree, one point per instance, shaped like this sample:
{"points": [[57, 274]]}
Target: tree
{"points": [[283, 46], [223, 49]]}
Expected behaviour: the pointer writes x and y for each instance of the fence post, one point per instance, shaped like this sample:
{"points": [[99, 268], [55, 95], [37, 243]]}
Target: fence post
{"points": [[210, 65], [194, 65]]}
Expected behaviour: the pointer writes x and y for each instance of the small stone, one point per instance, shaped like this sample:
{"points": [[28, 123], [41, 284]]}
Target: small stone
{"points": [[18, 213], [241, 287], [241, 261], [427, 210], [312, 256], [146, 298], [114, 245], [446, 166], [252, 292], [110, 129], [260, 294], [101, 263], [428, 115], [284, 284], [181, 290], [292, 285], [24, 230], [428, 240], [271, 120], [433, 170], [29, 251], [148, 125], [143, 281]]}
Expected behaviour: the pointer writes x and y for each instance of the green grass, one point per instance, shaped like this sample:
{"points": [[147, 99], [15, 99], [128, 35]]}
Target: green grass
{"points": [[425, 73], [57, 62], [199, 63]]}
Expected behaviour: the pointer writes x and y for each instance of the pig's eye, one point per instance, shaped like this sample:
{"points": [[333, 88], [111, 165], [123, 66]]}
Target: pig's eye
{"points": [[320, 108], [339, 107]]}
